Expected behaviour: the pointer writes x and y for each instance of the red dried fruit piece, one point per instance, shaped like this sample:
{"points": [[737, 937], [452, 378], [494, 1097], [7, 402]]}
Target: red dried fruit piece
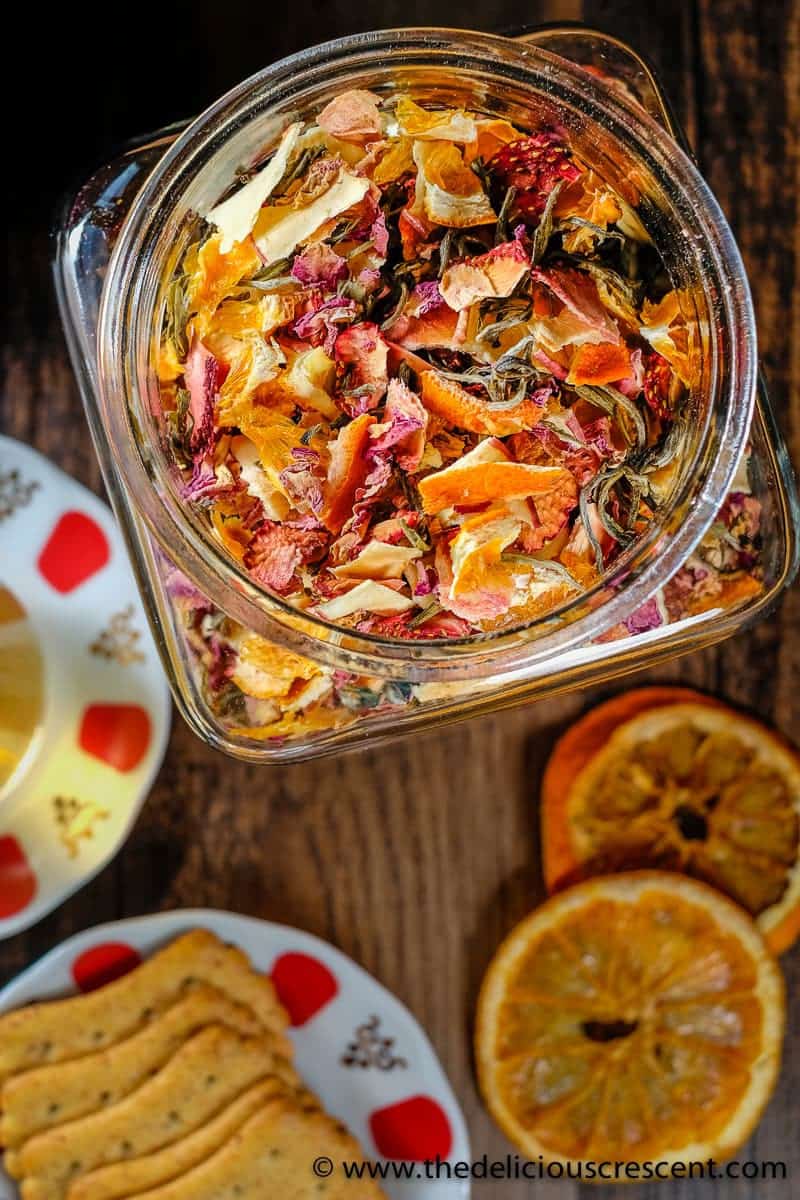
{"points": [[657, 381], [276, 552], [533, 166]]}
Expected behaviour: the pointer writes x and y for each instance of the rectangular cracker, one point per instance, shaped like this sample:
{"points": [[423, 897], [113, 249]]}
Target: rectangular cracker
{"points": [[55, 1030], [206, 1074], [48, 1096], [122, 1179], [272, 1155]]}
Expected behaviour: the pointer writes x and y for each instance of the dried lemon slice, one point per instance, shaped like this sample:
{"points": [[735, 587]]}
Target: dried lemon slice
{"points": [[692, 787], [632, 1017]]}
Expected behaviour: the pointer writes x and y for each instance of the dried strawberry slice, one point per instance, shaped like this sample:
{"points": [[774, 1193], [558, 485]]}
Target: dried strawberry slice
{"points": [[533, 166], [657, 381]]}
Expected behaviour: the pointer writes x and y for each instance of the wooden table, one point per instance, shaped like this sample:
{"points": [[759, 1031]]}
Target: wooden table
{"points": [[417, 859]]}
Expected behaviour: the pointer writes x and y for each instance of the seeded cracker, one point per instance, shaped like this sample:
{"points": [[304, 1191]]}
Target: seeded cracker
{"points": [[51, 1095], [207, 1073], [63, 1029]]}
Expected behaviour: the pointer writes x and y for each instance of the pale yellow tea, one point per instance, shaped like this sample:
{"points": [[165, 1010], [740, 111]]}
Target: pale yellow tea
{"points": [[20, 684]]}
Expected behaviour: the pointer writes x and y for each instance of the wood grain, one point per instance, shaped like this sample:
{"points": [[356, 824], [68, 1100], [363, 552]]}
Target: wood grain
{"points": [[417, 859]]}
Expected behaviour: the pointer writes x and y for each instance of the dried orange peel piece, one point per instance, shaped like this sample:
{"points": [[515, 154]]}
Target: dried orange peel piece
{"points": [[599, 364], [679, 781], [347, 471], [214, 275], [462, 410], [483, 483], [270, 672], [630, 1018]]}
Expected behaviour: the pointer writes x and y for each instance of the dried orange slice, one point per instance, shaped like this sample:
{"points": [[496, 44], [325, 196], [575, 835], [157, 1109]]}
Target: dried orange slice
{"points": [[669, 779], [632, 1017]]}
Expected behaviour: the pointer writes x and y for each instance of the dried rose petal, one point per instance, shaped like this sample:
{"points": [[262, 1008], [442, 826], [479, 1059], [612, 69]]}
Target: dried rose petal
{"points": [[320, 264], [203, 375], [364, 350], [577, 292], [404, 422], [352, 116], [321, 326], [277, 550]]}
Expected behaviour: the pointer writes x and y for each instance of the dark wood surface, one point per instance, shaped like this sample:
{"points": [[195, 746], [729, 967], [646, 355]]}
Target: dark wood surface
{"points": [[416, 859]]}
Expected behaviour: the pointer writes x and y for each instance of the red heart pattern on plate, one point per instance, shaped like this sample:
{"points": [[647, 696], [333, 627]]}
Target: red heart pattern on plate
{"points": [[103, 964], [76, 549], [304, 985], [117, 734], [18, 884], [414, 1130]]}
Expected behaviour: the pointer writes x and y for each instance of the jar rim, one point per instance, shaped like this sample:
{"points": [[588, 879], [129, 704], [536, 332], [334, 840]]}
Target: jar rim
{"points": [[125, 370]]}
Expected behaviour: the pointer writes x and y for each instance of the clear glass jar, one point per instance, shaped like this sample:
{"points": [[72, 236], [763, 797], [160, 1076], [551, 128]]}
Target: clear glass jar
{"points": [[123, 234]]}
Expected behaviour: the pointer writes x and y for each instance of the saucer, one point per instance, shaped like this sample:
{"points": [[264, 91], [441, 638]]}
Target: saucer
{"points": [[356, 1046]]}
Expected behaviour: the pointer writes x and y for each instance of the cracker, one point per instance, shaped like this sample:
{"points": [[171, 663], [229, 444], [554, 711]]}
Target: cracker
{"points": [[206, 1074], [272, 1155], [47, 1096], [55, 1030], [119, 1180]]}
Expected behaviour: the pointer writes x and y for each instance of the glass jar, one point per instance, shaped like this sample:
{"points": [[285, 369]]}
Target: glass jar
{"points": [[126, 229]]}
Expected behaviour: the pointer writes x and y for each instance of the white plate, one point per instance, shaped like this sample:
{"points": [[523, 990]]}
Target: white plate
{"points": [[361, 1050], [72, 800]]}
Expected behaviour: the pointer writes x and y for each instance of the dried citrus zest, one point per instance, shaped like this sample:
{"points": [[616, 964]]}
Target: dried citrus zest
{"points": [[591, 200], [275, 437], [168, 365], [600, 364], [481, 584], [496, 273], [458, 408], [687, 785], [347, 472], [254, 363], [630, 1018], [297, 724], [307, 380]]}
